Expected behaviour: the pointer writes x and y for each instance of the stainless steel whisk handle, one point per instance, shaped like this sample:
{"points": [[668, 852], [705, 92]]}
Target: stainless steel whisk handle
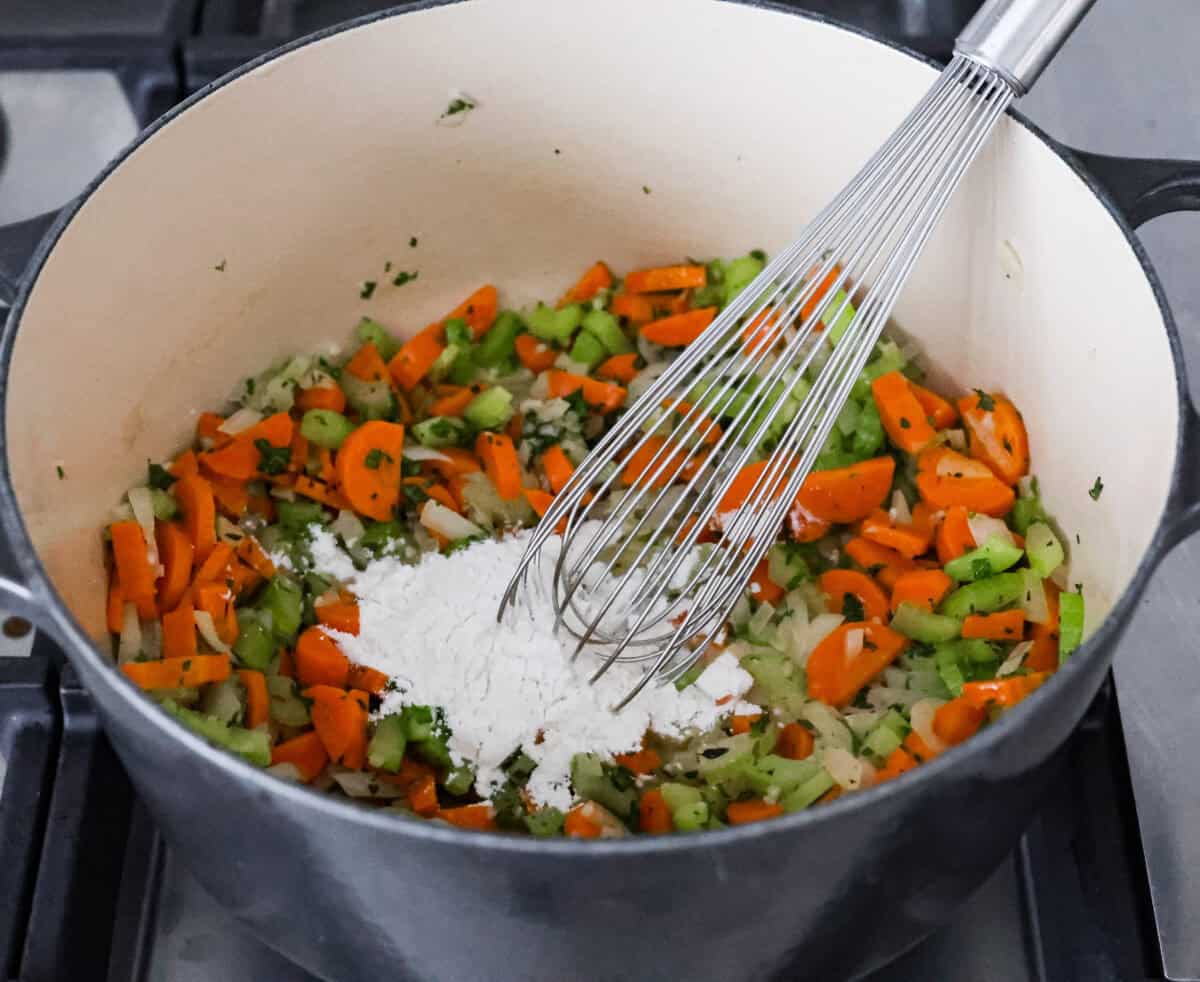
{"points": [[1017, 38]]}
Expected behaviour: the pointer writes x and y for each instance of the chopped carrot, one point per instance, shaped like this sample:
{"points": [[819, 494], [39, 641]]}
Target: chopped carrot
{"points": [[175, 552], [957, 720], [339, 616], [641, 464], [837, 583], [340, 720], [258, 702], [368, 364], [954, 534], [602, 395], [922, 588], [185, 465], [644, 761], [883, 563], [557, 467], [847, 494], [761, 331], [299, 458], [910, 539], [208, 428], [1007, 625], [539, 500], [134, 571], [534, 354], [678, 330], [803, 527], [252, 554], [654, 815], [241, 458], [319, 661], [938, 411], [898, 762], [326, 396], [414, 359], [321, 491], [1002, 692], [762, 587], [367, 679], [596, 278], [500, 463], [619, 368], [286, 667], [478, 310], [241, 578], [997, 435], [479, 817], [795, 742], [753, 810], [114, 609], [811, 304], [232, 497], [1043, 656], [946, 478], [177, 673], [742, 722], [263, 506], [665, 278], [632, 307], [179, 632], [368, 468], [835, 675], [453, 399], [902, 415], [306, 753], [216, 600], [213, 568], [580, 825], [422, 796], [916, 746]]}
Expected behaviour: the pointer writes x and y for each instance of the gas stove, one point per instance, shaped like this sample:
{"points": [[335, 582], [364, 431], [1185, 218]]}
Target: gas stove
{"points": [[90, 891]]}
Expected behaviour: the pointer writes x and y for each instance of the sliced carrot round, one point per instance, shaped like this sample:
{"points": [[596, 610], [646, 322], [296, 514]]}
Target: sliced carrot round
{"points": [[847, 494], [954, 535], [837, 583], [997, 435], [835, 674], [368, 468]]}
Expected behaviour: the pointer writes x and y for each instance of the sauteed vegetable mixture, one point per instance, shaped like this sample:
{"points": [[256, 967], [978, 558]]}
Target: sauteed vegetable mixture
{"points": [[916, 592]]}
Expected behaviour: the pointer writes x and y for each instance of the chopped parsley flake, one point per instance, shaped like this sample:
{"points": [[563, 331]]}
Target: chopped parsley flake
{"points": [[986, 402], [387, 266], [220, 267], [157, 476], [272, 460], [402, 277], [645, 189], [852, 609], [368, 289], [412, 243], [457, 106], [413, 494], [61, 473], [376, 457], [1096, 489], [904, 423]]}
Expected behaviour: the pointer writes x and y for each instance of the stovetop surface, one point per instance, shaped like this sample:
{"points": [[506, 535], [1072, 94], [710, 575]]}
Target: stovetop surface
{"points": [[1072, 903]]}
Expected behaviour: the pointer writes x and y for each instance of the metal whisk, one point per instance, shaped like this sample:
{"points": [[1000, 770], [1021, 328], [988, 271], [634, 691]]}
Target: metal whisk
{"points": [[635, 577]]}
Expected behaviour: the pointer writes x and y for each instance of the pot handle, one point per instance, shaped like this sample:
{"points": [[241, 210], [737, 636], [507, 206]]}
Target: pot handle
{"points": [[17, 245], [1143, 189]]}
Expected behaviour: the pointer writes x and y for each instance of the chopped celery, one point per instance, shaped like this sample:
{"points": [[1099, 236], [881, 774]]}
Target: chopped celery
{"points": [[921, 625], [889, 359], [223, 701], [458, 332], [779, 679], [946, 657], [325, 428], [164, 505], [994, 556], [604, 327], [295, 516], [283, 599], [388, 538], [491, 409], [725, 755], [1027, 509], [782, 773], [612, 787], [679, 795], [251, 745], [896, 723], [690, 676], [840, 315], [882, 740], [371, 400], [545, 822], [419, 723], [924, 677], [808, 792], [867, 439], [738, 274], [786, 565], [499, 344], [445, 361], [441, 431], [691, 818], [254, 647], [287, 708], [386, 749], [847, 421], [554, 325], [459, 780], [1045, 551], [465, 369], [1070, 624], [985, 596], [376, 333], [588, 350], [976, 650]]}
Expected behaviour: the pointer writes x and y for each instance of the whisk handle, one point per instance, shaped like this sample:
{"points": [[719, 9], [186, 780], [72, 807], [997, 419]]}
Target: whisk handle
{"points": [[1017, 38]]}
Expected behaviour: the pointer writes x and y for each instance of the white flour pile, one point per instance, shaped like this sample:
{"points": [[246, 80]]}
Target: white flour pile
{"points": [[432, 628]]}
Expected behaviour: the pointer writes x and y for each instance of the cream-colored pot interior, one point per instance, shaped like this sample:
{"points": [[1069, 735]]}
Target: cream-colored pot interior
{"points": [[636, 131]]}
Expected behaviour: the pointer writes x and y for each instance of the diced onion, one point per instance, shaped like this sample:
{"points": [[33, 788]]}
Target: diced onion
{"points": [[142, 503], [240, 421], [843, 767], [348, 526], [1033, 599], [983, 527], [645, 378], [921, 718], [363, 784], [884, 696], [438, 518], [151, 645], [568, 364], [854, 643], [1014, 659], [1061, 578], [129, 644], [861, 721], [1025, 486], [828, 725], [899, 512], [423, 453], [228, 532], [985, 431], [287, 771], [957, 440], [960, 466], [208, 631]]}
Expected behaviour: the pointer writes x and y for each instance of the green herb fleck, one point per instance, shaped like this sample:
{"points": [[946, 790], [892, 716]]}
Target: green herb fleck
{"points": [[220, 267], [1096, 489], [412, 243], [158, 476], [457, 106], [409, 468], [986, 402], [852, 609], [368, 289], [413, 494], [272, 460], [376, 457], [645, 189], [402, 277], [904, 423], [61, 473]]}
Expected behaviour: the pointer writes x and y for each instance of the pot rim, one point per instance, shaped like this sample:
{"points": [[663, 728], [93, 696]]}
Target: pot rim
{"points": [[952, 764]]}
